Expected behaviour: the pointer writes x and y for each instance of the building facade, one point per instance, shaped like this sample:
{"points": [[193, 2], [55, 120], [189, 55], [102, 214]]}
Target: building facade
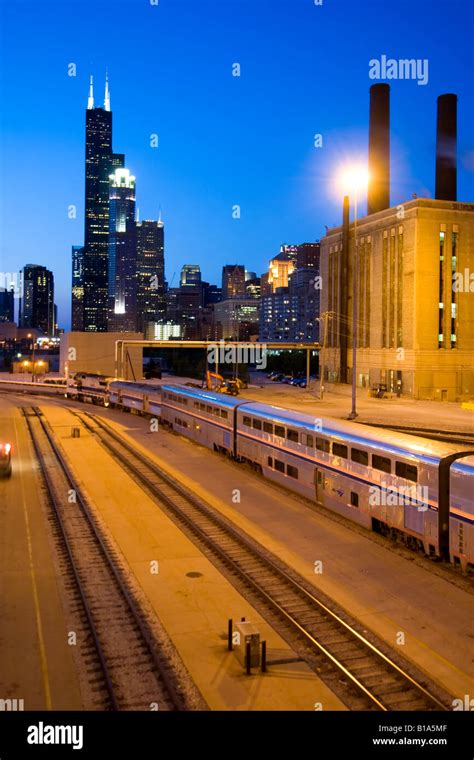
{"points": [[7, 305], [122, 258], [237, 318], [415, 325], [151, 306], [77, 288], [233, 281], [37, 299]]}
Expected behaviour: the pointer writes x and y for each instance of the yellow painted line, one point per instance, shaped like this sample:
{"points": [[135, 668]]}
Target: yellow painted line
{"points": [[39, 624]]}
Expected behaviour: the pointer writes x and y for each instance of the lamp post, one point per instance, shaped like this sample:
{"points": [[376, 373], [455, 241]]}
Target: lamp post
{"points": [[355, 179], [33, 346], [355, 278]]}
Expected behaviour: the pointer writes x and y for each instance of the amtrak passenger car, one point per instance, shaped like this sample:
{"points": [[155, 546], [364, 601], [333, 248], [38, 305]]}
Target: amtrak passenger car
{"points": [[389, 482]]}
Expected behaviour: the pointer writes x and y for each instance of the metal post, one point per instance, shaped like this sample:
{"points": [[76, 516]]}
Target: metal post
{"points": [[229, 635], [247, 658], [263, 662], [353, 413], [33, 361], [323, 355], [308, 360]]}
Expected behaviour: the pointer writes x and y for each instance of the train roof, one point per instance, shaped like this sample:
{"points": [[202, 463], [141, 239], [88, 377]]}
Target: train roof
{"points": [[228, 402], [360, 434], [464, 465]]}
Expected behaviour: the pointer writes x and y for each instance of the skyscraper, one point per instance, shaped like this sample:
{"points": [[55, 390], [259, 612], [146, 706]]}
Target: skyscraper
{"points": [[77, 309], [233, 281], [190, 275], [37, 300], [151, 305], [100, 162], [7, 305], [122, 259]]}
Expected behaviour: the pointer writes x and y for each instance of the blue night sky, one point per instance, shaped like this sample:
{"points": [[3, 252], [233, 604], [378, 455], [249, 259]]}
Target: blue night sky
{"points": [[223, 140]]}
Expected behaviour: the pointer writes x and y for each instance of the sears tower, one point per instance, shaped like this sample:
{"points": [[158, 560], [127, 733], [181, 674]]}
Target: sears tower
{"points": [[100, 163]]}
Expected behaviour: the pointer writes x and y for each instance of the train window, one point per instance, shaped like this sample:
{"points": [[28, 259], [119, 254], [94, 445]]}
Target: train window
{"points": [[280, 466], [339, 450], [354, 499], [209, 409], [381, 463], [292, 435], [268, 427], [307, 440], [224, 414], [359, 456], [202, 407], [196, 404], [216, 412], [270, 462], [280, 430], [322, 445], [247, 421], [292, 471], [257, 424], [408, 471]]}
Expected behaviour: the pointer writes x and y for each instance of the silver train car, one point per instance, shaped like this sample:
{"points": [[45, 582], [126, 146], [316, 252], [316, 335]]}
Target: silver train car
{"points": [[412, 489]]}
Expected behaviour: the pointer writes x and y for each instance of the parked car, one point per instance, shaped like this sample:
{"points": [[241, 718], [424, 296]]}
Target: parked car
{"points": [[278, 377]]}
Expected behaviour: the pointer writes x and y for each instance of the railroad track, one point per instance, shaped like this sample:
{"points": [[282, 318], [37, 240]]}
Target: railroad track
{"points": [[130, 672], [374, 679]]}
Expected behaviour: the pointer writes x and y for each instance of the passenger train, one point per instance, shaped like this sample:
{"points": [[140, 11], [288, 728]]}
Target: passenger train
{"points": [[414, 489]]}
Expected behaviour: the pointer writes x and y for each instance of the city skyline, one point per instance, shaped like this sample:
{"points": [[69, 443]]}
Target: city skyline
{"points": [[210, 159]]}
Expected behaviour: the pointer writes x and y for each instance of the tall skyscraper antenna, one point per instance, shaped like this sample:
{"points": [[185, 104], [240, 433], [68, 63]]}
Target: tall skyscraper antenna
{"points": [[107, 94], [159, 215], [137, 214], [90, 100]]}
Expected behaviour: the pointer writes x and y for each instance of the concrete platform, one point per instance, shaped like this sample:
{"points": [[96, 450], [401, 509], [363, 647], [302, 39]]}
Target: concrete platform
{"points": [[430, 415], [36, 662], [191, 598]]}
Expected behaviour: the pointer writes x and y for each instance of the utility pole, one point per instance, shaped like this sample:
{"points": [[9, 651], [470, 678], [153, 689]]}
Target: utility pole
{"points": [[323, 319]]}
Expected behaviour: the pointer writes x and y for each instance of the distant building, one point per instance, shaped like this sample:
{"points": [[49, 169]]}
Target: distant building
{"points": [[122, 253], [151, 304], [37, 300], [190, 275], [237, 318], [415, 326], [290, 295], [233, 281], [212, 294], [307, 255], [253, 288], [7, 305], [77, 290], [304, 297]]}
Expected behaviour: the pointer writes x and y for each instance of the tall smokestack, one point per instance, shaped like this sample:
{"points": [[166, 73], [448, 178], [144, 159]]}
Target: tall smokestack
{"points": [[446, 138], [379, 149]]}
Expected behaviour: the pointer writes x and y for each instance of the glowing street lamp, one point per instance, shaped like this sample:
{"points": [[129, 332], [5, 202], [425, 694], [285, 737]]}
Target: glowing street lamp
{"points": [[354, 181]]}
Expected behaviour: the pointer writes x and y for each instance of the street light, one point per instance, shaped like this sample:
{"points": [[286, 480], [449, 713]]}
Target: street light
{"points": [[33, 346], [354, 179]]}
